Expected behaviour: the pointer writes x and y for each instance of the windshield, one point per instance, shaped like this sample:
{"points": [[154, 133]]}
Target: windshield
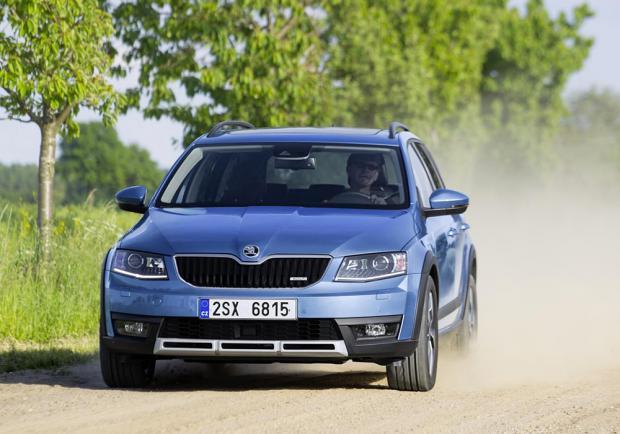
{"points": [[288, 174]]}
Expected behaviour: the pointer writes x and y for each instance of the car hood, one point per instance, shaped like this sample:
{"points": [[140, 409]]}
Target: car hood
{"points": [[275, 230]]}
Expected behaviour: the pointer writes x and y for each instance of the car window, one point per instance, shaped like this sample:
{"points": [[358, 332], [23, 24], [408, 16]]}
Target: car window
{"points": [[329, 170], [430, 165], [178, 185], [422, 181], [297, 174]]}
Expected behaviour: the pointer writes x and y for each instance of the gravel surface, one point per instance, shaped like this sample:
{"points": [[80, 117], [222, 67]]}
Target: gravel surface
{"points": [[291, 398]]}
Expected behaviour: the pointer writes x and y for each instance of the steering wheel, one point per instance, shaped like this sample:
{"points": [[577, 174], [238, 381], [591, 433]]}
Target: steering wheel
{"points": [[391, 195], [351, 197], [359, 197]]}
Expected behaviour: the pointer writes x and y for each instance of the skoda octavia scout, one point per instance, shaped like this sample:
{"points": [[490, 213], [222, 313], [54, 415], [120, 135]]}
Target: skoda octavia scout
{"points": [[291, 245]]}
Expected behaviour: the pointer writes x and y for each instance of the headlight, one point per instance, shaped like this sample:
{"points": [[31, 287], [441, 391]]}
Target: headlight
{"points": [[140, 265], [363, 268]]}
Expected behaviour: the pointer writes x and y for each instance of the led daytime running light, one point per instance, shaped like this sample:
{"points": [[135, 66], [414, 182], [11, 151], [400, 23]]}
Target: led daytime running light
{"points": [[139, 265], [364, 268]]}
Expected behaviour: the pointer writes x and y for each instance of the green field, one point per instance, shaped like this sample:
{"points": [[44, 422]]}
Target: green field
{"points": [[49, 314]]}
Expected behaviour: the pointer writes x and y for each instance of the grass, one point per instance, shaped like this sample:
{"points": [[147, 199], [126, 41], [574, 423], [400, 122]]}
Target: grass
{"points": [[46, 309]]}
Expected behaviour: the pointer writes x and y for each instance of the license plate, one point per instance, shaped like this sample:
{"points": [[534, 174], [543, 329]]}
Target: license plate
{"points": [[228, 308]]}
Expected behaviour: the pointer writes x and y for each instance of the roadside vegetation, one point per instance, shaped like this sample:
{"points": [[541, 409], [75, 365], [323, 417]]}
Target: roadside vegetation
{"points": [[50, 314]]}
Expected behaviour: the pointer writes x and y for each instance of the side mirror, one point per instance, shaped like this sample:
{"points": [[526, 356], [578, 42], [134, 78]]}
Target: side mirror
{"points": [[446, 202], [132, 199]]}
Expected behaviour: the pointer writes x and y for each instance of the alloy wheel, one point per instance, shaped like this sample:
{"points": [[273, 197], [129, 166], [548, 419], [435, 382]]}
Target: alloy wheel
{"points": [[431, 336]]}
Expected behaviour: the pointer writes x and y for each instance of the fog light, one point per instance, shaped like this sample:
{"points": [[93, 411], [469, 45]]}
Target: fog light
{"points": [[375, 330], [132, 328]]}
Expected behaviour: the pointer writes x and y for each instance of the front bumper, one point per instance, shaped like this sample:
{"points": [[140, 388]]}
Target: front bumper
{"points": [[345, 303], [325, 299], [381, 350]]}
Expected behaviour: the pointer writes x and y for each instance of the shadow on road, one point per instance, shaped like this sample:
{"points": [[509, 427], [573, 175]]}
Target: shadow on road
{"points": [[12, 359], [237, 377], [178, 376]]}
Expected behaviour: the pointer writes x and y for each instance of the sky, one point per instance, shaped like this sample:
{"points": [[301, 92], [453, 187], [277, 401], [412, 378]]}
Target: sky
{"points": [[19, 143]]}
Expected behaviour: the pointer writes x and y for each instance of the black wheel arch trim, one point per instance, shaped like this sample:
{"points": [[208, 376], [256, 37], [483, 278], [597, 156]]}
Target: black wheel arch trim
{"points": [[102, 320], [429, 263]]}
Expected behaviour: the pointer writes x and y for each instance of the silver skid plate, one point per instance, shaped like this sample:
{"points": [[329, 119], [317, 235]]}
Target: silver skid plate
{"points": [[203, 347]]}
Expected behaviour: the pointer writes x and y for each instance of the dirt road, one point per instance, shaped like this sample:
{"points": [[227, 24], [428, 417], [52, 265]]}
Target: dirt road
{"points": [[290, 399], [548, 357]]}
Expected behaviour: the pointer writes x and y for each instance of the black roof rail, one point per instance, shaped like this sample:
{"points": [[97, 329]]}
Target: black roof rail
{"points": [[395, 126], [221, 127]]}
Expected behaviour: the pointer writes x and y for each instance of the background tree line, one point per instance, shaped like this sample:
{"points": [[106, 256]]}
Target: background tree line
{"points": [[90, 168]]}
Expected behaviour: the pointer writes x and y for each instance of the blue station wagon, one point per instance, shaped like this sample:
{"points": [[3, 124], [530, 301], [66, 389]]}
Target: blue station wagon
{"points": [[302, 245]]}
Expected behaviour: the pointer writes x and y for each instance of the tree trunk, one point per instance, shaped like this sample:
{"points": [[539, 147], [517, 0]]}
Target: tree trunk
{"points": [[47, 159]]}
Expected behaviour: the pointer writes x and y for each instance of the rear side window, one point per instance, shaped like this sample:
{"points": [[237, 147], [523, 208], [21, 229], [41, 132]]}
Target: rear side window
{"points": [[423, 183], [429, 163]]}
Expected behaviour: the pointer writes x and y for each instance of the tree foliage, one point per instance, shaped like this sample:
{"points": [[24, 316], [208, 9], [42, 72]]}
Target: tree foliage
{"points": [[97, 164], [478, 69], [18, 183], [54, 60], [524, 75], [590, 135], [417, 60], [202, 62]]}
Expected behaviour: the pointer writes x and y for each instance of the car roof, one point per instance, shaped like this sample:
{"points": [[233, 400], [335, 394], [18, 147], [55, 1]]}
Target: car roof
{"points": [[355, 136]]}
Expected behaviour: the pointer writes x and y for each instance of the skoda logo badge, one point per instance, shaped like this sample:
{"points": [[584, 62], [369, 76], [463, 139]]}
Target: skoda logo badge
{"points": [[250, 251]]}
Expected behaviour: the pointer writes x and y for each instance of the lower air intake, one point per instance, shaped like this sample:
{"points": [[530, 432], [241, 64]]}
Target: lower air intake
{"points": [[300, 330]]}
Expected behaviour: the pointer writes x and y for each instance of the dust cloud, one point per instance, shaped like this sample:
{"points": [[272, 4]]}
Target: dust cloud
{"points": [[548, 286]]}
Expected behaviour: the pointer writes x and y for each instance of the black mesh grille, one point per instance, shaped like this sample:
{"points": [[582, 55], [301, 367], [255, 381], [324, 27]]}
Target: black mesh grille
{"points": [[300, 330], [223, 272]]}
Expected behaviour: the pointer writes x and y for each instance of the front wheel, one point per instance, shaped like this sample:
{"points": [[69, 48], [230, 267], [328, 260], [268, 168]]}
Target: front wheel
{"points": [[123, 370], [419, 371]]}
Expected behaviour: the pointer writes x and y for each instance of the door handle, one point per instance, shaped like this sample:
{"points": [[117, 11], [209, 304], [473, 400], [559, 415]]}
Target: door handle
{"points": [[464, 226], [452, 232]]}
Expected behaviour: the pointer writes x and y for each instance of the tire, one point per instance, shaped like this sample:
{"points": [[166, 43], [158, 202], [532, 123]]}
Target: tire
{"points": [[468, 331], [122, 370], [418, 372]]}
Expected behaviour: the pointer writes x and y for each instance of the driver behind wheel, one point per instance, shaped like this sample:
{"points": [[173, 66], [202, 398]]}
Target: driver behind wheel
{"points": [[366, 179]]}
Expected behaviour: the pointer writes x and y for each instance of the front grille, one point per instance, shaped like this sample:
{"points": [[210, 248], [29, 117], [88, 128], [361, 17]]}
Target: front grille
{"points": [[223, 272], [300, 330]]}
